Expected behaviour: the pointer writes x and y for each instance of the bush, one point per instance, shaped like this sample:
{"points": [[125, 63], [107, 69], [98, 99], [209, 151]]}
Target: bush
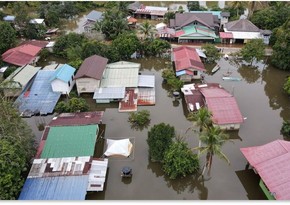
{"points": [[169, 77], [9, 71], [140, 118], [286, 86], [285, 129], [211, 52], [159, 139], [73, 105], [179, 160]]}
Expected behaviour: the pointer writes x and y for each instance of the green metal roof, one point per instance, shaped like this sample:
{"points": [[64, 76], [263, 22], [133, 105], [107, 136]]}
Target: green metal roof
{"points": [[197, 32], [70, 141]]}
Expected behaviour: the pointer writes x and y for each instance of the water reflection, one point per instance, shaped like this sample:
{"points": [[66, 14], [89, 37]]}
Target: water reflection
{"points": [[249, 74]]}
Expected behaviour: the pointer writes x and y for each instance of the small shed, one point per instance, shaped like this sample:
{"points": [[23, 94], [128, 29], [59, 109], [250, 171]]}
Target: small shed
{"points": [[63, 79]]}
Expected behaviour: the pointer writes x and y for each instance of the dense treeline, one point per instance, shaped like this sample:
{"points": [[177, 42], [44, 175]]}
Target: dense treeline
{"points": [[16, 150]]}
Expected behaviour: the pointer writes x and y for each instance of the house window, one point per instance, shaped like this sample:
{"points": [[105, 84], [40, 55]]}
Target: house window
{"points": [[195, 72], [68, 83]]}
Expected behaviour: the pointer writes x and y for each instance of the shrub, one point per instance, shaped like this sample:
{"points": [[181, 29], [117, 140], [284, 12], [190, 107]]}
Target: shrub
{"points": [[285, 129], [159, 139], [140, 118]]}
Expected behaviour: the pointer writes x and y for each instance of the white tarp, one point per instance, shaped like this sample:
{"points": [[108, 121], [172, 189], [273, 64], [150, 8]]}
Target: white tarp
{"points": [[118, 147]]}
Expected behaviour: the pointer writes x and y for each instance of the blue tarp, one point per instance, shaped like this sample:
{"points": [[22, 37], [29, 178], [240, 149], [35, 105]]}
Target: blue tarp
{"points": [[40, 99], [55, 188]]}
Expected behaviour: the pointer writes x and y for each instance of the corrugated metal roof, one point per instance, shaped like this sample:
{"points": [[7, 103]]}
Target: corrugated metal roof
{"points": [[24, 75], [242, 25], [40, 98], [97, 176], [70, 141], [95, 15], [66, 166], [21, 55], [63, 73], [9, 18], [36, 21], [271, 161], [187, 58], [146, 81], [212, 92], [55, 188], [121, 74], [129, 102], [146, 96], [109, 93], [52, 67], [92, 67], [79, 118], [225, 110], [226, 35], [200, 53]]}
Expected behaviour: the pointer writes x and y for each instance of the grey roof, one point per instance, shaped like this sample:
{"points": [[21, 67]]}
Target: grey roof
{"points": [[134, 6], [181, 20], [40, 98], [109, 93], [95, 16], [146, 81], [21, 76], [121, 74], [266, 32], [225, 14], [242, 25]]}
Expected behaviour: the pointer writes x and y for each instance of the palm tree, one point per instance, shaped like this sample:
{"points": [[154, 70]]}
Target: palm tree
{"points": [[202, 118], [238, 5], [212, 138], [253, 6], [147, 30]]}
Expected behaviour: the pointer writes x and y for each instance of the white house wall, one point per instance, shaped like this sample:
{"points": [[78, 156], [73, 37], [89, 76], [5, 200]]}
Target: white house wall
{"points": [[62, 87], [245, 35], [228, 126], [87, 85]]}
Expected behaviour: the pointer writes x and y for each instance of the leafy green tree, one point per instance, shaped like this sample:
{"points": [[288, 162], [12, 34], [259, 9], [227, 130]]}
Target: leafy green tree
{"points": [[212, 139], [16, 150], [254, 49], [140, 118], [211, 52], [179, 160], [281, 48], [126, 44], [68, 41], [76, 63], [147, 30], [9, 71], [34, 31], [7, 36], [168, 73], [193, 5], [113, 24], [170, 78], [159, 139], [73, 105], [169, 15], [271, 17], [285, 129], [20, 10], [286, 86], [155, 47]]}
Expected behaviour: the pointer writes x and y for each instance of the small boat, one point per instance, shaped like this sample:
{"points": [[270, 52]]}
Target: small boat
{"points": [[232, 78], [215, 69], [227, 74]]}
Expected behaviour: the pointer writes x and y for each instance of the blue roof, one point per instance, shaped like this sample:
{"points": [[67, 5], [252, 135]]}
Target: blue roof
{"points": [[63, 73], [40, 98], [181, 72], [95, 15], [216, 13], [55, 188], [9, 18]]}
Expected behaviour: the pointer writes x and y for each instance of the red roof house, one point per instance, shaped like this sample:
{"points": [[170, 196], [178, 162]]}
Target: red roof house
{"points": [[187, 59], [271, 162], [21, 55]]}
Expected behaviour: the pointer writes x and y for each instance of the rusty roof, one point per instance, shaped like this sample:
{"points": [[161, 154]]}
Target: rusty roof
{"points": [[79, 118], [92, 67]]}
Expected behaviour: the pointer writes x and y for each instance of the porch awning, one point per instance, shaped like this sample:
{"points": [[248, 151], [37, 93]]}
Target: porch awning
{"points": [[226, 35]]}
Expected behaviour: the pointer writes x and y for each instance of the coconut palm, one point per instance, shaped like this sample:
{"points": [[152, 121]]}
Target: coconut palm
{"points": [[212, 139], [253, 6], [201, 118], [147, 30], [238, 5]]}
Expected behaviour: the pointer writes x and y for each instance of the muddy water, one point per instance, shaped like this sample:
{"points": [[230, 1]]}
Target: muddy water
{"points": [[261, 101]]}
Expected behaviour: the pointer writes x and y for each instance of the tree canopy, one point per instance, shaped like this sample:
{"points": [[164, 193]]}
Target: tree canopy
{"points": [[286, 86], [7, 36], [179, 160], [16, 150], [281, 48], [159, 139], [73, 105], [211, 52], [253, 50]]}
